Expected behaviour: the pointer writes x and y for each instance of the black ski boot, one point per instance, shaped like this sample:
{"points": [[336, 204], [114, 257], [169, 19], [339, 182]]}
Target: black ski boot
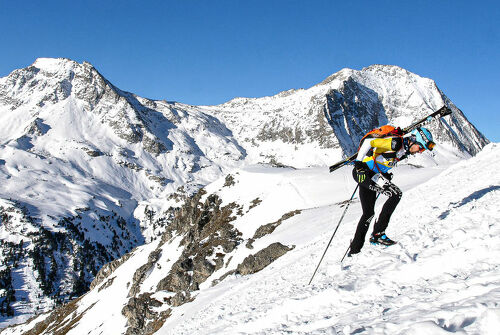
{"points": [[381, 238]]}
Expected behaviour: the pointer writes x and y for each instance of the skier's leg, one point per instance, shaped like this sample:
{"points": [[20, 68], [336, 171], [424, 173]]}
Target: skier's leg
{"points": [[394, 194], [367, 198]]}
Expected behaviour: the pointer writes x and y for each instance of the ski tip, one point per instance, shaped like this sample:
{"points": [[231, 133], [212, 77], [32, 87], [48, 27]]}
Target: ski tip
{"points": [[445, 110]]}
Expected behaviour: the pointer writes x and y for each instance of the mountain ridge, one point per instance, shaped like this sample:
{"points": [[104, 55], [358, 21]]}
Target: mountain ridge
{"points": [[331, 117], [98, 171]]}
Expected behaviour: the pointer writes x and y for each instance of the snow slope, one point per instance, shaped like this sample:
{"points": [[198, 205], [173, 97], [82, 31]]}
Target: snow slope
{"points": [[442, 276]]}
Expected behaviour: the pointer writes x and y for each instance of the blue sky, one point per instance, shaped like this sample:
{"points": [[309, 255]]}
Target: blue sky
{"points": [[208, 52]]}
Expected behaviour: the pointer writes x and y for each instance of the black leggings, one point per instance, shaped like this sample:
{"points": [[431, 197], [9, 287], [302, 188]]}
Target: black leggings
{"points": [[368, 191]]}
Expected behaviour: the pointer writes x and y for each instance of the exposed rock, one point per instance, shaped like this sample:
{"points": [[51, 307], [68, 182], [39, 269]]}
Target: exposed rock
{"points": [[270, 227], [93, 153], [206, 228], [132, 133], [229, 181], [141, 319], [227, 274], [37, 127], [107, 284], [255, 202], [131, 166], [352, 110], [160, 180], [153, 146], [60, 321], [257, 262], [108, 269], [140, 273], [273, 162]]}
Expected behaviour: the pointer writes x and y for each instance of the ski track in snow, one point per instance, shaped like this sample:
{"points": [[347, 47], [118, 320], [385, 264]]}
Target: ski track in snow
{"points": [[443, 277]]}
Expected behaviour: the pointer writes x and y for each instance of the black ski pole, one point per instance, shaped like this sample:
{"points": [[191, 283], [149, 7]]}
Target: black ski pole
{"points": [[347, 250], [343, 214], [349, 247]]}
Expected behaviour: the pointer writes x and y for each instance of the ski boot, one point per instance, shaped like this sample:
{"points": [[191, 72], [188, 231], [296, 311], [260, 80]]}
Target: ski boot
{"points": [[381, 238]]}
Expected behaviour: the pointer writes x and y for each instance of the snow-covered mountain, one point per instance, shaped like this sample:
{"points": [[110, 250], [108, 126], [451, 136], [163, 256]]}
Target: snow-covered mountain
{"points": [[317, 126], [81, 163], [90, 172], [233, 263]]}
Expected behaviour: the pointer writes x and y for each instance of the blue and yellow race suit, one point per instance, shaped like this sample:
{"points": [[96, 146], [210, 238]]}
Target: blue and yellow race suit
{"points": [[381, 154]]}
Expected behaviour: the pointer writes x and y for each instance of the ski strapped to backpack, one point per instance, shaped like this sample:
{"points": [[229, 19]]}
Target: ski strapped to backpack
{"points": [[392, 131]]}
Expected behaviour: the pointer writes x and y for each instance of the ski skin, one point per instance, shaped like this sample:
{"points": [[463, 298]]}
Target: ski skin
{"points": [[443, 111]]}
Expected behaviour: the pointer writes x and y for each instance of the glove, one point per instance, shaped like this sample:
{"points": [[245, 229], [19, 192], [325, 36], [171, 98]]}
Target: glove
{"points": [[360, 169], [359, 165]]}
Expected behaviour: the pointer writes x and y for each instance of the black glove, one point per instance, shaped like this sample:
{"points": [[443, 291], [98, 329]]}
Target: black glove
{"points": [[359, 165], [361, 171]]}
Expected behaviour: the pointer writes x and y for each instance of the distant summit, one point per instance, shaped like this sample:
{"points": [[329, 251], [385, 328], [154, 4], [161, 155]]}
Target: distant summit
{"points": [[325, 122]]}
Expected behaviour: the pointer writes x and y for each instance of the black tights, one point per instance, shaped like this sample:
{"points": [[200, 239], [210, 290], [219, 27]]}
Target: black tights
{"points": [[368, 195]]}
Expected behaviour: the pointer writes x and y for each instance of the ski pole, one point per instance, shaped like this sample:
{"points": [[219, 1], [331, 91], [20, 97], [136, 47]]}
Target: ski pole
{"points": [[349, 247], [345, 254], [328, 245]]}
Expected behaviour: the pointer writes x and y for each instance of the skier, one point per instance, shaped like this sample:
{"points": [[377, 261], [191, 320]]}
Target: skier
{"points": [[376, 156]]}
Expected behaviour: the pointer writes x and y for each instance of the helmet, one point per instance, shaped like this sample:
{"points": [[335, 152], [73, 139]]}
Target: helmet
{"points": [[423, 137]]}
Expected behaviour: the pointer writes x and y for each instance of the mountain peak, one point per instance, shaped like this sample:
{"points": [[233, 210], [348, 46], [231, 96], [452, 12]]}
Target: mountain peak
{"points": [[389, 70], [383, 66], [54, 64], [340, 75], [62, 66]]}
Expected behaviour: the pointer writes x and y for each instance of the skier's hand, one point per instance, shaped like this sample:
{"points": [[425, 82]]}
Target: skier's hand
{"points": [[359, 165], [361, 175], [360, 168]]}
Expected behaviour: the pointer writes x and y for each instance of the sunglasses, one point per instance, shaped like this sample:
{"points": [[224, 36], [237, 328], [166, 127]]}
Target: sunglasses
{"points": [[430, 146]]}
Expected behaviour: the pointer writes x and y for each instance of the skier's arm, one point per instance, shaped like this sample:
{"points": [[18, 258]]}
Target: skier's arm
{"points": [[384, 144], [363, 149], [388, 143]]}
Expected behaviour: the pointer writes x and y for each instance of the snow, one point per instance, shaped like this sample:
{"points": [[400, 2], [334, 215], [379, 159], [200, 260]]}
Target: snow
{"points": [[51, 64], [57, 111], [290, 127], [442, 277]]}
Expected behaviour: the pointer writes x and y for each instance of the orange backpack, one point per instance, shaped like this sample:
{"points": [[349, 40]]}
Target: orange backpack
{"points": [[384, 131]]}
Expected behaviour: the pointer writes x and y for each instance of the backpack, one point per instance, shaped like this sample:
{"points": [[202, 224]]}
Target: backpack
{"points": [[384, 131]]}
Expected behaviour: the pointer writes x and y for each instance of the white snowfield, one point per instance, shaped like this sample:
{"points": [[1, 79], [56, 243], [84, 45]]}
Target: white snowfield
{"points": [[443, 277]]}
